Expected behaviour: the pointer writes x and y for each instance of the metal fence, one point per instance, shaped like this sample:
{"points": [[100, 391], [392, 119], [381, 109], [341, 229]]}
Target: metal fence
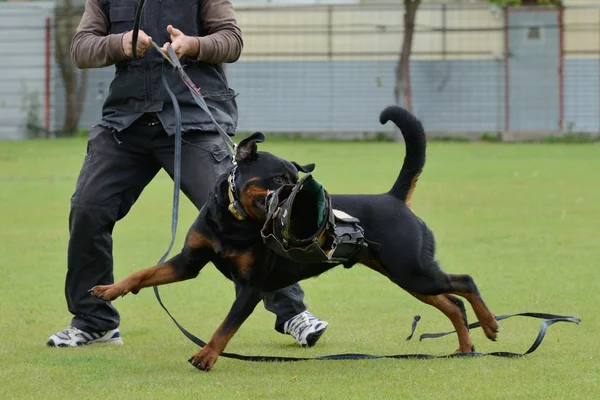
{"points": [[473, 69], [330, 70], [26, 71]]}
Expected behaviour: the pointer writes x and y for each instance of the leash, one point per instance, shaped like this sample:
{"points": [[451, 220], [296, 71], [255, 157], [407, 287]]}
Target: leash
{"points": [[173, 60], [550, 319]]}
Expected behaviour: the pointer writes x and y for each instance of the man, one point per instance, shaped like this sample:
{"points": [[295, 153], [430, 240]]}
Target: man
{"points": [[134, 140]]}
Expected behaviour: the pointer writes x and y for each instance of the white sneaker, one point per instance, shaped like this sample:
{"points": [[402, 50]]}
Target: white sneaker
{"points": [[305, 328], [74, 337]]}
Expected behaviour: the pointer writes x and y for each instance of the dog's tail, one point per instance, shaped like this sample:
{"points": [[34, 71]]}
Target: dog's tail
{"points": [[414, 160]]}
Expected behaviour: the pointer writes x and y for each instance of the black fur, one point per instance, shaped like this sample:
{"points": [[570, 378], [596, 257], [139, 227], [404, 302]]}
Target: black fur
{"points": [[406, 254]]}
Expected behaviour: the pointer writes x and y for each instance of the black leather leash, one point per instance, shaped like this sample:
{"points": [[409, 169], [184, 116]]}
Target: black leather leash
{"points": [[171, 57], [550, 319]]}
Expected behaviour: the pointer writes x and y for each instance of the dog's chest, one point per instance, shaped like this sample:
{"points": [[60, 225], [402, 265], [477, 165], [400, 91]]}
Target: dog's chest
{"points": [[235, 264]]}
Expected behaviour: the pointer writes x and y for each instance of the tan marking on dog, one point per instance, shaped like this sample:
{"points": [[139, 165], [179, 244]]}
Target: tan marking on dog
{"points": [[243, 260], [248, 195], [161, 274], [413, 185], [196, 240], [375, 265], [288, 176], [484, 315], [455, 315], [206, 358]]}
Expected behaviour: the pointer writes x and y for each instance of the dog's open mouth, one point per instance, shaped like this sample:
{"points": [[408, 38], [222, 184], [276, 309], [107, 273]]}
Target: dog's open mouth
{"points": [[261, 204]]}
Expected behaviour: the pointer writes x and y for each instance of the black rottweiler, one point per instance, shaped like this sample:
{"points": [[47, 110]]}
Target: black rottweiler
{"points": [[234, 244]]}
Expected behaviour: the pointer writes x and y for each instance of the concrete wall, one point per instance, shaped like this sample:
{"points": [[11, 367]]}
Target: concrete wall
{"points": [[347, 96]]}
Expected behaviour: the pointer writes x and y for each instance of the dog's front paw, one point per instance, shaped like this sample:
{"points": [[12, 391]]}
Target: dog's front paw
{"points": [[107, 292], [205, 359]]}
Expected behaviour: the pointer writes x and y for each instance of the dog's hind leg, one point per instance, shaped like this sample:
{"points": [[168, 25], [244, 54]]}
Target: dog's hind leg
{"points": [[427, 279], [461, 305], [451, 307], [435, 281], [464, 286]]}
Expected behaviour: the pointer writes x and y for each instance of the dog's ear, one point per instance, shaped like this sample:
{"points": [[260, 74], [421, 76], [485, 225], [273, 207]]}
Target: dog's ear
{"points": [[304, 168], [246, 150]]}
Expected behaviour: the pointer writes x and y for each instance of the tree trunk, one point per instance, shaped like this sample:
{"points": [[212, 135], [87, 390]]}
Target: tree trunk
{"points": [[74, 81], [74, 99], [402, 88]]}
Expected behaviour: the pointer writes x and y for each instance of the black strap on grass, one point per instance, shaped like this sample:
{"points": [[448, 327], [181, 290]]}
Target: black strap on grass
{"points": [[550, 319]]}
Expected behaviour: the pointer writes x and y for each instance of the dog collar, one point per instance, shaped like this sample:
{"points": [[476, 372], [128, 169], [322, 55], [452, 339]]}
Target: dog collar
{"points": [[235, 207]]}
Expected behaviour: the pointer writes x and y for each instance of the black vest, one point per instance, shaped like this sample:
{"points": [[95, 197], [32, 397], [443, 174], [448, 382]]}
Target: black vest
{"points": [[137, 87]]}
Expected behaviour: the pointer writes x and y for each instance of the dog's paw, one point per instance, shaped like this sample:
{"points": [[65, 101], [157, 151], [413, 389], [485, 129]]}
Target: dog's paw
{"points": [[205, 359], [490, 328], [465, 349], [107, 292]]}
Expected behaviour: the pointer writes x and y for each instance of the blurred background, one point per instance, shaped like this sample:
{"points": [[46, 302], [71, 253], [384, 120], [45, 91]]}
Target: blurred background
{"points": [[474, 69]]}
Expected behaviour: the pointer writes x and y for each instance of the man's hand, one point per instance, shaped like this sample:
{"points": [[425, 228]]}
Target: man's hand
{"points": [[182, 44], [144, 42]]}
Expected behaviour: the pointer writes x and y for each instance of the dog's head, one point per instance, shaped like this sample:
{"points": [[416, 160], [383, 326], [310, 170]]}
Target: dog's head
{"points": [[257, 173]]}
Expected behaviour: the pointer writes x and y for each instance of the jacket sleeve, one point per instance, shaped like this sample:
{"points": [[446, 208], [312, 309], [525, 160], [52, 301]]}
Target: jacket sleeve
{"points": [[92, 46], [223, 42]]}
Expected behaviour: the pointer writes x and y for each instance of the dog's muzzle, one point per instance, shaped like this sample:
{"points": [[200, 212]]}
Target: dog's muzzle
{"points": [[302, 226]]}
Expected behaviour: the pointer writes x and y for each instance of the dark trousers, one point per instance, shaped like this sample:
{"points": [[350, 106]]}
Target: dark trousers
{"points": [[117, 167]]}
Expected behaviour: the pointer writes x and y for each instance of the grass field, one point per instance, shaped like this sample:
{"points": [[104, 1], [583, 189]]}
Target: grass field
{"points": [[522, 219]]}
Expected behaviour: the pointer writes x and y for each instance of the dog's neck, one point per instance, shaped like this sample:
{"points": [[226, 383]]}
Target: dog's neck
{"points": [[223, 223], [235, 207]]}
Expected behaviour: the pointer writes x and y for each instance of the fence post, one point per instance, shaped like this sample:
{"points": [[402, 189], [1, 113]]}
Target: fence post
{"points": [[444, 31], [47, 77], [506, 73], [330, 32], [561, 76]]}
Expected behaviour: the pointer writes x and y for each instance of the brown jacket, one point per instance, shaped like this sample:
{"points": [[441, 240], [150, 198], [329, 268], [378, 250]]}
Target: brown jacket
{"points": [[94, 47]]}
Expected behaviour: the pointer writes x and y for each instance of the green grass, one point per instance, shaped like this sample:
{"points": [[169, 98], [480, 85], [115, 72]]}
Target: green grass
{"points": [[523, 219]]}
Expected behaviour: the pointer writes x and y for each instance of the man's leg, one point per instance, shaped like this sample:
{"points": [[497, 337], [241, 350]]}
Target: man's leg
{"points": [[293, 318], [286, 303], [115, 171], [204, 158]]}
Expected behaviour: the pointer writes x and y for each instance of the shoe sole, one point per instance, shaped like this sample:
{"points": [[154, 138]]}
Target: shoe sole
{"points": [[114, 342], [313, 338]]}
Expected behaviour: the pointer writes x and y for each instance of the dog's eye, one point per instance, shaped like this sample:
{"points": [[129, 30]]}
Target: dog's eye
{"points": [[279, 180]]}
